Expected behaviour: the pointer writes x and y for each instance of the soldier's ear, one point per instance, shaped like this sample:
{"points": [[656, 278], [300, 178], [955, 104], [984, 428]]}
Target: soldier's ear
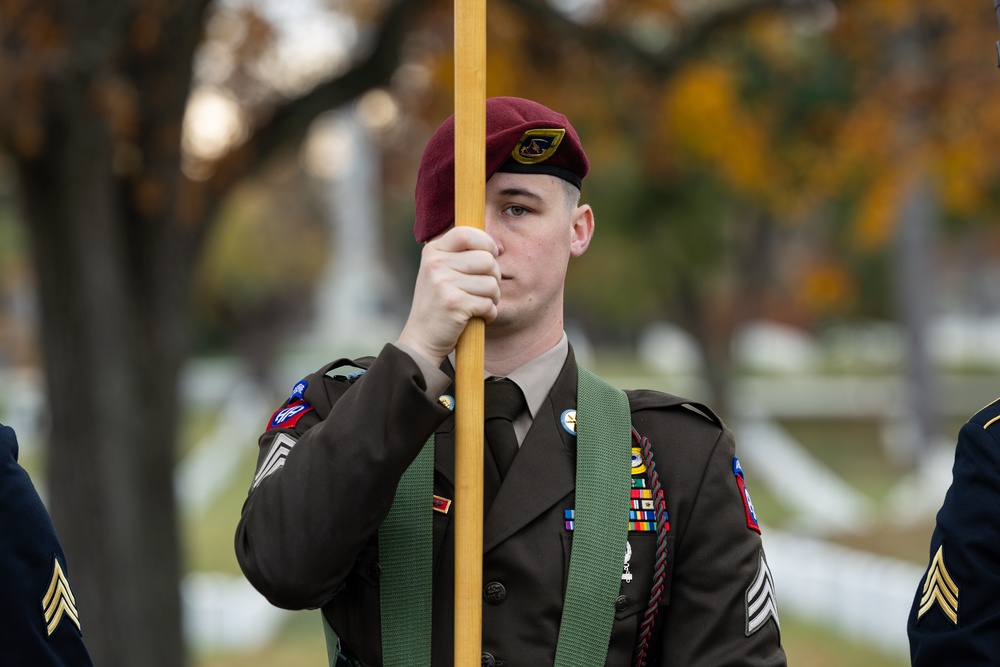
{"points": [[582, 229]]}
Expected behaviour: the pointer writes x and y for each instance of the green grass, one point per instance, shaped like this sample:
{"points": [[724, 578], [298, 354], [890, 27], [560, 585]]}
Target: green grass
{"points": [[300, 643], [810, 645]]}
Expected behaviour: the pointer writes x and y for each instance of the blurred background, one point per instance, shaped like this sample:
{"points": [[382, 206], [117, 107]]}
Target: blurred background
{"points": [[201, 201]]}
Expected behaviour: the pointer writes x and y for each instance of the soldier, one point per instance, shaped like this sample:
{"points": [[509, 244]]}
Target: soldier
{"points": [[955, 616], [39, 622], [681, 579]]}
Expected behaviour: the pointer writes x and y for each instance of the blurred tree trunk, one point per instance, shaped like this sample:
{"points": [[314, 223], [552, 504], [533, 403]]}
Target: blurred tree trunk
{"points": [[914, 284], [96, 143], [714, 313], [919, 211], [95, 97], [112, 315]]}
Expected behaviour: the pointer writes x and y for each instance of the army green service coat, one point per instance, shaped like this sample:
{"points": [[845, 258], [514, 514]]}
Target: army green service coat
{"points": [[307, 537]]}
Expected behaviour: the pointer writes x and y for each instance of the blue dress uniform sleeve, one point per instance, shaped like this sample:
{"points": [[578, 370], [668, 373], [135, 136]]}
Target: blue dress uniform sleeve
{"points": [[955, 616], [39, 621]]}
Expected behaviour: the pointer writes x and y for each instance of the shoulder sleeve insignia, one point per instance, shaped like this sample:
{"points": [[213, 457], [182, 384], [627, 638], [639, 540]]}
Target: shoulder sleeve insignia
{"points": [[939, 589], [58, 602], [751, 514], [537, 145], [760, 598], [289, 416], [275, 458]]}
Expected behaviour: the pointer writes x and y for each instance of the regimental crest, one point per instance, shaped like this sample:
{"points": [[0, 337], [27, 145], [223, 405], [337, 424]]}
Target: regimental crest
{"points": [[568, 421], [939, 589], [760, 598], [638, 465], [58, 602], [537, 145], [275, 458]]}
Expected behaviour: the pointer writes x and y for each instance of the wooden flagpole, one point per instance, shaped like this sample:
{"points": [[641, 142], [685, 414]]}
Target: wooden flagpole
{"points": [[470, 198]]}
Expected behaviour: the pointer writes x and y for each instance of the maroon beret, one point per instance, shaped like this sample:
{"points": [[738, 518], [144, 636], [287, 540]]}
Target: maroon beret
{"points": [[521, 136]]}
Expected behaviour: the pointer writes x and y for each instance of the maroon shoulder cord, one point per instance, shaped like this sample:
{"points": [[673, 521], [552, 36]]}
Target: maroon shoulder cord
{"points": [[660, 571]]}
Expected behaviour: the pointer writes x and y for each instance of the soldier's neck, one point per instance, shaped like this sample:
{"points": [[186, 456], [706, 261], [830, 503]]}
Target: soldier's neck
{"points": [[506, 351]]}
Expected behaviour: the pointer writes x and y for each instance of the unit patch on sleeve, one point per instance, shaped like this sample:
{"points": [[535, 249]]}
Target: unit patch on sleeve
{"points": [[289, 416], [275, 457], [939, 589], [58, 601], [752, 523], [760, 598]]}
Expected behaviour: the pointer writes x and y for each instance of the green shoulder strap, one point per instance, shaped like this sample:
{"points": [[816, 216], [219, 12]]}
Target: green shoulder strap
{"points": [[603, 469], [405, 554]]}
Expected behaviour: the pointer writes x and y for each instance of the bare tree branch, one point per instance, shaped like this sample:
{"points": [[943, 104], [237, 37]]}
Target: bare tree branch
{"points": [[661, 63], [289, 122]]}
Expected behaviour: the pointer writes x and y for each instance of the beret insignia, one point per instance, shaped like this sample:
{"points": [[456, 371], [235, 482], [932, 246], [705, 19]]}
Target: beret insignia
{"points": [[537, 145], [522, 136]]}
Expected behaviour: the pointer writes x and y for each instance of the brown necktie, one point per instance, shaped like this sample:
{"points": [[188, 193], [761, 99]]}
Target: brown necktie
{"points": [[503, 403]]}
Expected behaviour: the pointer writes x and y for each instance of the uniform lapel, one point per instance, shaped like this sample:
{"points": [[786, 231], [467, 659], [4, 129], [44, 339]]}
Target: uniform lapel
{"points": [[444, 436], [444, 454], [544, 470]]}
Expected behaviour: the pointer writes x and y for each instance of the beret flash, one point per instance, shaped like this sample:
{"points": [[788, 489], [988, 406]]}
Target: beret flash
{"points": [[521, 136]]}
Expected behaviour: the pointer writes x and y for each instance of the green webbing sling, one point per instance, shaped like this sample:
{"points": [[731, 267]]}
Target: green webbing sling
{"points": [[603, 469], [405, 554]]}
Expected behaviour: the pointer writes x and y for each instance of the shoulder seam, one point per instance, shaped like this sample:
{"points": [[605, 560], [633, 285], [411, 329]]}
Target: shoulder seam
{"points": [[674, 401]]}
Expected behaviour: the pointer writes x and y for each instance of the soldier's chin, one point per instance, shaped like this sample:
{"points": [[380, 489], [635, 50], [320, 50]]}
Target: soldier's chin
{"points": [[505, 322]]}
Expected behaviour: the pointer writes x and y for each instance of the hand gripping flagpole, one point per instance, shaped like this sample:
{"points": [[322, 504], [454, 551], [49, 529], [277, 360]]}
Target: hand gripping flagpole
{"points": [[470, 198]]}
